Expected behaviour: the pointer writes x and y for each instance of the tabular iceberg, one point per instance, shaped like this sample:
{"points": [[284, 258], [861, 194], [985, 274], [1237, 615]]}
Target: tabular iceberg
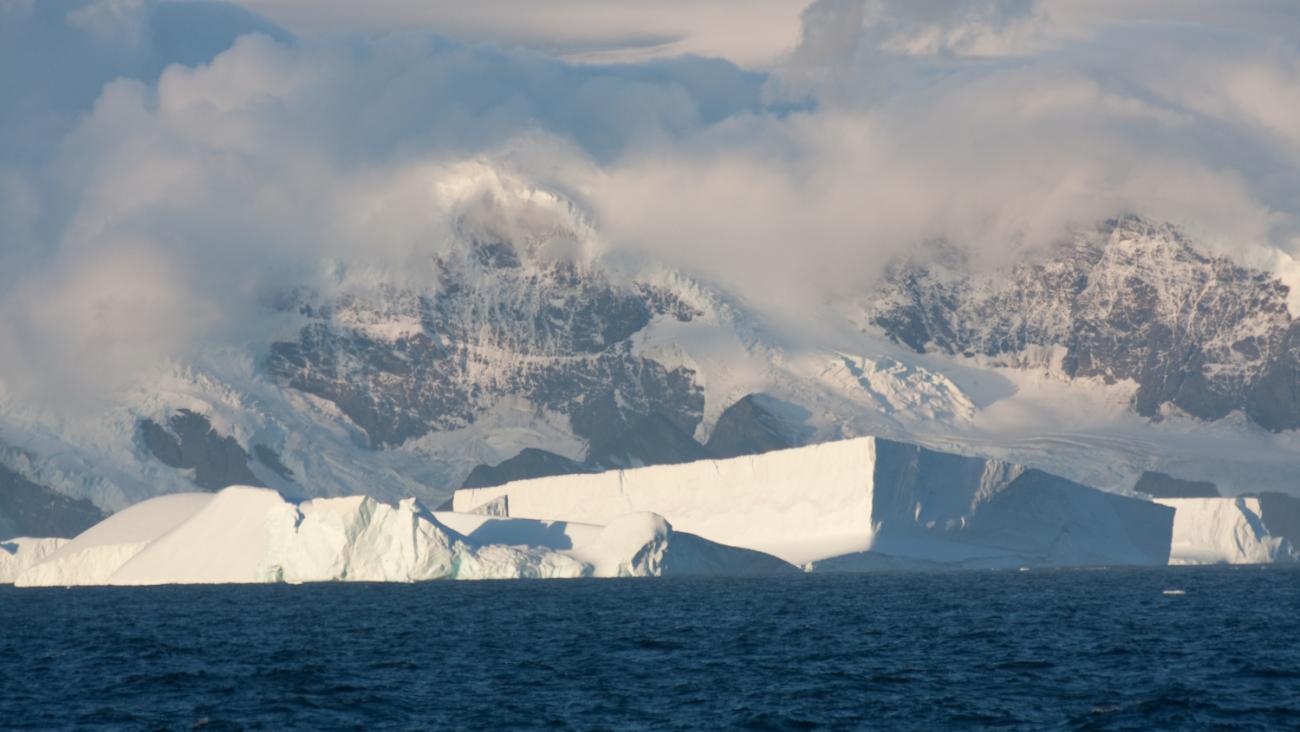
{"points": [[248, 535], [857, 503]]}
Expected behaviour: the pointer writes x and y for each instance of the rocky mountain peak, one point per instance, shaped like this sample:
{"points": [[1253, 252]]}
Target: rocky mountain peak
{"points": [[500, 322], [1131, 299]]}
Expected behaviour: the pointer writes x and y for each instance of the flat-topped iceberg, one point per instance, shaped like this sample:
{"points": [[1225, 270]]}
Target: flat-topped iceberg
{"points": [[862, 503], [250, 535]]}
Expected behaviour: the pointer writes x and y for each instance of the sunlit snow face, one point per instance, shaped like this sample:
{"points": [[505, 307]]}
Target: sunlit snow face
{"points": [[246, 158]]}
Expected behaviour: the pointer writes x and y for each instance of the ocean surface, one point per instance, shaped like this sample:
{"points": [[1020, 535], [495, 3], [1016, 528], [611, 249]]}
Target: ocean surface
{"points": [[1170, 648]]}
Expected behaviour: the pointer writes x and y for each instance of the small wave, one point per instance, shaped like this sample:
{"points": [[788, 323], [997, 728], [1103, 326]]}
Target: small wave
{"points": [[1028, 665]]}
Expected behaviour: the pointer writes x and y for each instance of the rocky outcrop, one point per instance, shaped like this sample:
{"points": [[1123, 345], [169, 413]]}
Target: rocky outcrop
{"points": [[29, 509], [189, 442], [501, 323], [529, 463], [1160, 485], [651, 440], [749, 427], [1131, 300]]}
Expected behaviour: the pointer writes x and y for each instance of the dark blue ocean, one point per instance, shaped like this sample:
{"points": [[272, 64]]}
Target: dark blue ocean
{"points": [[1106, 649]]}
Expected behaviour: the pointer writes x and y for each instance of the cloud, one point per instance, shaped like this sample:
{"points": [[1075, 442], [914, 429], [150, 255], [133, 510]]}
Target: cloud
{"points": [[282, 162], [993, 125], [752, 33], [57, 55], [173, 165]]}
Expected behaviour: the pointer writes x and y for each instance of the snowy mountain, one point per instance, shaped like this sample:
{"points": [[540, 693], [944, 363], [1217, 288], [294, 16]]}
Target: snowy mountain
{"points": [[1132, 300], [500, 322], [523, 348]]}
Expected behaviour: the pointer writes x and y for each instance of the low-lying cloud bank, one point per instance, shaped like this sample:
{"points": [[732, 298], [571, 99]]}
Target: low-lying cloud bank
{"points": [[165, 167]]}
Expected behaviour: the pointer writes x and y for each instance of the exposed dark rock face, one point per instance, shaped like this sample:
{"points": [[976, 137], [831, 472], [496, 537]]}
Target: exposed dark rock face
{"points": [[748, 427], [651, 440], [189, 442], [29, 509], [1160, 485], [271, 459], [500, 324], [1133, 300], [529, 463]]}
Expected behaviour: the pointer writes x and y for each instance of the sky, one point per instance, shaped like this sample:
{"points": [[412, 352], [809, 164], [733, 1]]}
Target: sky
{"points": [[166, 167]]}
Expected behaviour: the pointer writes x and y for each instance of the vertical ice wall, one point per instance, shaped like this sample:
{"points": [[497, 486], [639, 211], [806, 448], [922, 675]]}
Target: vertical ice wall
{"points": [[840, 498], [789, 502], [20, 554], [1224, 531]]}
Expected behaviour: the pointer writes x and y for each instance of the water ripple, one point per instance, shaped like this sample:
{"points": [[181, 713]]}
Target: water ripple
{"points": [[1007, 650]]}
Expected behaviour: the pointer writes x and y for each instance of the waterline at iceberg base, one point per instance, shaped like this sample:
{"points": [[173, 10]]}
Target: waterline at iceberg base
{"points": [[853, 505]]}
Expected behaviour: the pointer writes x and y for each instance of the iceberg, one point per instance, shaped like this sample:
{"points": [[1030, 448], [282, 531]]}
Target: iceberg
{"points": [[20, 554], [1228, 531], [95, 554], [253, 535], [861, 503], [853, 505], [632, 545]]}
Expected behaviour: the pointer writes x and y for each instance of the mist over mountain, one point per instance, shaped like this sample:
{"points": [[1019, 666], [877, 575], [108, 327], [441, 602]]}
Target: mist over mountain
{"points": [[328, 259]]}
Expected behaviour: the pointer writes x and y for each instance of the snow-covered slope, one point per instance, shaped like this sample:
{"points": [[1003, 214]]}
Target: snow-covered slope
{"points": [[1224, 531], [247, 535], [843, 498], [523, 336]]}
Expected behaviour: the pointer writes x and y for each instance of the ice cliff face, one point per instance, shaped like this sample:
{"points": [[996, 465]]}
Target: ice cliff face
{"points": [[252, 535], [1130, 300], [19, 555], [855, 501], [1244, 530]]}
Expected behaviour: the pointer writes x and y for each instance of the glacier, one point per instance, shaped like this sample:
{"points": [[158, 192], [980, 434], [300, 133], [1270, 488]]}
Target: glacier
{"points": [[855, 503], [253, 535]]}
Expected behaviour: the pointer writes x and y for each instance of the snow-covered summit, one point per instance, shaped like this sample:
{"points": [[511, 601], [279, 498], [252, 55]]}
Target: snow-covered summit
{"points": [[1130, 300]]}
